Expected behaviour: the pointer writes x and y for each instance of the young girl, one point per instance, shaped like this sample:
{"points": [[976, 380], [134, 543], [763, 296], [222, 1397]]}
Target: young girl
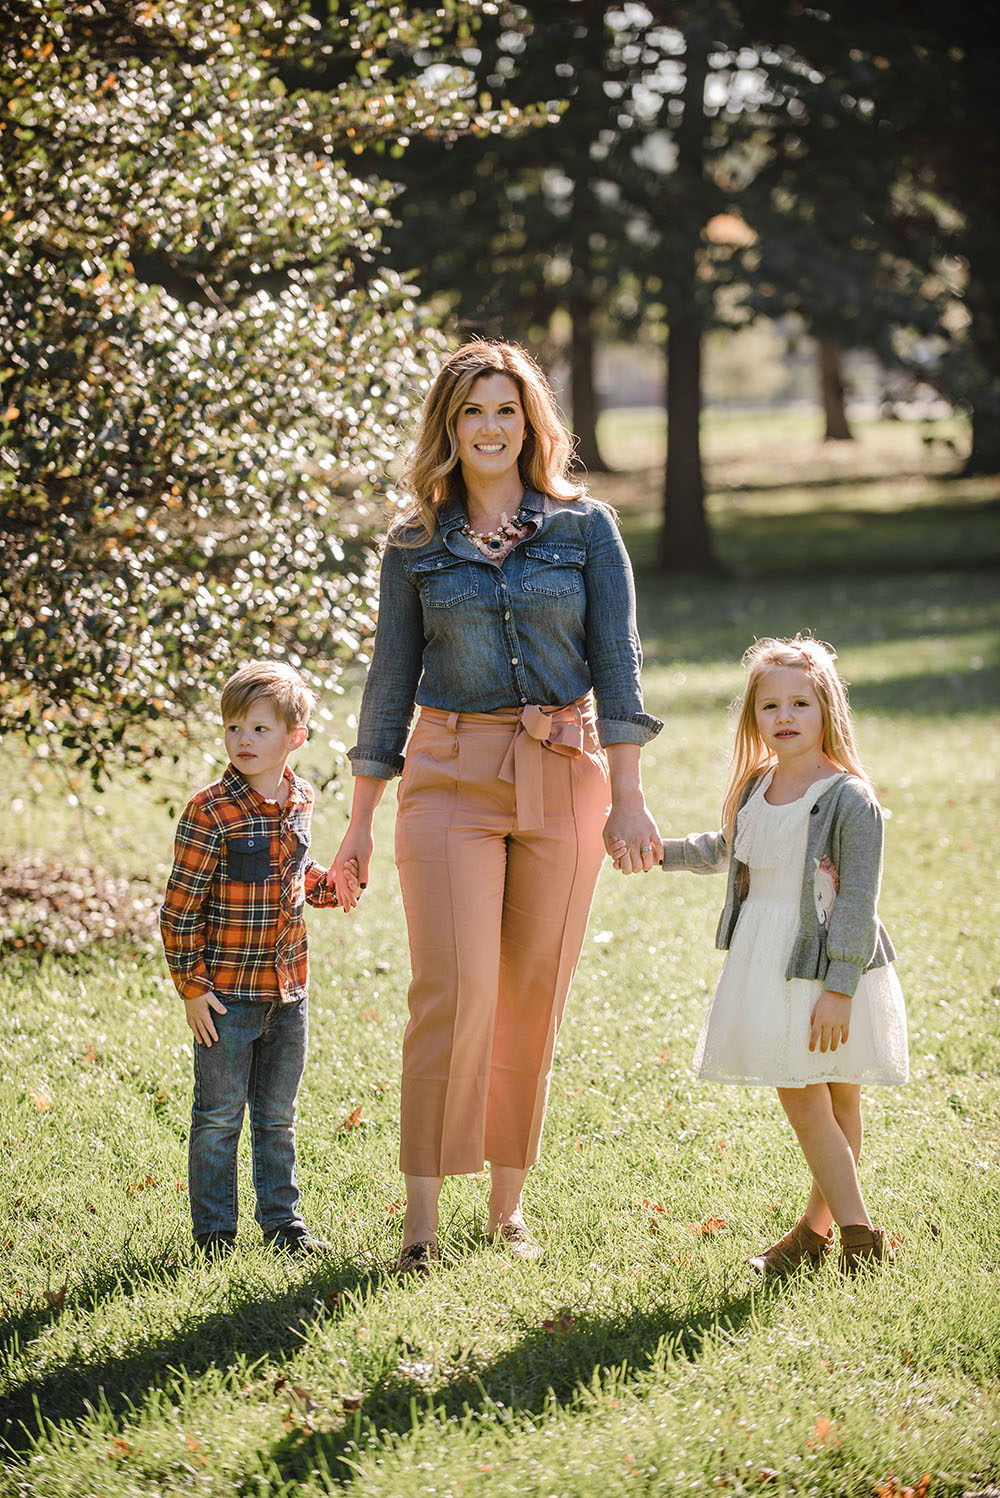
{"points": [[808, 1000]]}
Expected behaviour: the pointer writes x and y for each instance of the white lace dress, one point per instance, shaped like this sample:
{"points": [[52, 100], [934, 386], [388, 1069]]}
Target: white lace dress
{"points": [[757, 1028]]}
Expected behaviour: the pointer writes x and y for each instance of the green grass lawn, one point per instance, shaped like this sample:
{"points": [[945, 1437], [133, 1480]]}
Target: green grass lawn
{"points": [[639, 1356]]}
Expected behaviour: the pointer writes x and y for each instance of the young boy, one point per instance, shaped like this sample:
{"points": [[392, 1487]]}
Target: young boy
{"points": [[235, 943]]}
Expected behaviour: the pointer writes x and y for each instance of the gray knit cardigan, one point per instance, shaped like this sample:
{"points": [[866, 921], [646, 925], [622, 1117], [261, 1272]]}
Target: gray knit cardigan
{"points": [[835, 945]]}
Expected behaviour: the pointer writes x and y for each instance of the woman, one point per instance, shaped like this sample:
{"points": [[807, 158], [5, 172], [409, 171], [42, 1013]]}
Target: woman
{"points": [[506, 604]]}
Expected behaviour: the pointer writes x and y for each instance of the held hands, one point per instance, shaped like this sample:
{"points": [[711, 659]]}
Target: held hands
{"points": [[830, 1020], [349, 870], [199, 1016], [635, 848]]}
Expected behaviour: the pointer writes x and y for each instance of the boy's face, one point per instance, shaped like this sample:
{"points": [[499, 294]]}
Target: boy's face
{"points": [[259, 743]]}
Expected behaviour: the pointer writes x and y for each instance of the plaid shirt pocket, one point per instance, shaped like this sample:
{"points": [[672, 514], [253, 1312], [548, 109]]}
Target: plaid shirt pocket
{"points": [[249, 859]]}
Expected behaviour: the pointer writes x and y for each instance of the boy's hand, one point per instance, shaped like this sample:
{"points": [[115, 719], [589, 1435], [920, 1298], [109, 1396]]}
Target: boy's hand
{"points": [[830, 1020], [199, 1016]]}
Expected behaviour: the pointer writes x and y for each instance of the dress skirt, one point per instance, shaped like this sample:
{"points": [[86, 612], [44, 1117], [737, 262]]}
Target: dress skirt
{"points": [[757, 1028]]}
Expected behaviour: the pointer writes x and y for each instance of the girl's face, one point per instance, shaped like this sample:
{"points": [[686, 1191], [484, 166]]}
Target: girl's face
{"points": [[788, 714], [490, 428]]}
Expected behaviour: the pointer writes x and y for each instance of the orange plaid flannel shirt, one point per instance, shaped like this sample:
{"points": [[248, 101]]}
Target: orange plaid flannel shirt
{"points": [[231, 918]]}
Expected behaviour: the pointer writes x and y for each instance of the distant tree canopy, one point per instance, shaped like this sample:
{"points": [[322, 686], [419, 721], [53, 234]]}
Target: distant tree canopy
{"points": [[717, 161], [202, 375]]}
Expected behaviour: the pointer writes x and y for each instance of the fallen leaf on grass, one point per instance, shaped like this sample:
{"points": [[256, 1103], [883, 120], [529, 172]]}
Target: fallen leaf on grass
{"points": [[195, 1449], [825, 1433], [134, 1187], [42, 1102], [351, 1121], [708, 1227], [57, 1298], [890, 1488], [559, 1324]]}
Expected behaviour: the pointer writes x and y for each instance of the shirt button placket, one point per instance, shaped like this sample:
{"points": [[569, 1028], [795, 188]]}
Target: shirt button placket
{"points": [[510, 637]]}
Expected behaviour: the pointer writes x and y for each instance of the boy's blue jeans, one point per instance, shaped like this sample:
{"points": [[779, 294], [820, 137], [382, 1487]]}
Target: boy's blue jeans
{"points": [[256, 1063]]}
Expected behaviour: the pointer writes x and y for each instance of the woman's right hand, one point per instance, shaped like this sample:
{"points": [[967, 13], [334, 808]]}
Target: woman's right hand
{"points": [[358, 844]]}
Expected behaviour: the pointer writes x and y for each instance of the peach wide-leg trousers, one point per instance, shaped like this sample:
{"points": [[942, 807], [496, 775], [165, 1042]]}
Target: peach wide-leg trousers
{"points": [[498, 845]]}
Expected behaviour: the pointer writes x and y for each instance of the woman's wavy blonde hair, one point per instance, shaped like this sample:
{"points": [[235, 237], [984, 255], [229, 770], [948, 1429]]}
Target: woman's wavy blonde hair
{"points": [[750, 754], [432, 475]]}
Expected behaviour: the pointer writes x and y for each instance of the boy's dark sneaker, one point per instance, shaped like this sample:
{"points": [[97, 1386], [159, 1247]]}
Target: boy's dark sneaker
{"points": [[294, 1240], [215, 1245]]}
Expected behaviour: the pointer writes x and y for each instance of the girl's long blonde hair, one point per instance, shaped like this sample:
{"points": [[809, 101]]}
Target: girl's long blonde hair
{"points": [[432, 475], [751, 756]]}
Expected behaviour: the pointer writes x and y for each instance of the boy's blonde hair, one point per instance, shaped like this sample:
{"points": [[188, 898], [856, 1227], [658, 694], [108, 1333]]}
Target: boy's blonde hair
{"points": [[433, 475], [273, 681], [750, 755]]}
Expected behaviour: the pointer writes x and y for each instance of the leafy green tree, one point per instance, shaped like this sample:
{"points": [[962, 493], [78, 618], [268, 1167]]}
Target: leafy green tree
{"points": [[509, 230], [203, 373]]}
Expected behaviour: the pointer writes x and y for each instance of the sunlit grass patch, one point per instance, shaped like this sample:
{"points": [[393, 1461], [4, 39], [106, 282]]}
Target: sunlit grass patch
{"points": [[640, 1356]]}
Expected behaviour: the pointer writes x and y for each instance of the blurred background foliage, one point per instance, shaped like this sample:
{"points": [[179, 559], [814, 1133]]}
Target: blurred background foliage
{"points": [[203, 368], [234, 238]]}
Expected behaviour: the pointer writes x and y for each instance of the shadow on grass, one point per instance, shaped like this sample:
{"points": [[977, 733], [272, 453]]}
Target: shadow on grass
{"points": [[246, 1328], [558, 1360], [838, 541], [711, 621]]}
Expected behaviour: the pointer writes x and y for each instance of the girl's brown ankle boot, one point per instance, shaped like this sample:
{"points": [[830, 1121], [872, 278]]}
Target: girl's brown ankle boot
{"points": [[799, 1245], [864, 1248]]}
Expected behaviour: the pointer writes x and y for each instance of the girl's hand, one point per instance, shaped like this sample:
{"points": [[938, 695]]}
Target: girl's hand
{"points": [[830, 1020], [349, 870]]}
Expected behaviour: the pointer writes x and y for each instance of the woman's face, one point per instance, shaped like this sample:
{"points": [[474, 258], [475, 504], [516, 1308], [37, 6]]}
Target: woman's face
{"points": [[490, 428]]}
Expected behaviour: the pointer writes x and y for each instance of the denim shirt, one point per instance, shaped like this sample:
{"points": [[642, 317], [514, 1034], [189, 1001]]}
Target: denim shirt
{"points": [[551, 621]]}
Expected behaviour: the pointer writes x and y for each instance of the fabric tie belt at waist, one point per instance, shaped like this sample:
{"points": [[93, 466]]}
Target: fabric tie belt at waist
{"points": [[557, 729]]}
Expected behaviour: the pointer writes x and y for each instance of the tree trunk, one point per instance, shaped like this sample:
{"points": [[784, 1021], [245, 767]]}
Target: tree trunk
{"points": [[581, 312], [685, 543], [831, 389], [582, 392], [983, 302]]}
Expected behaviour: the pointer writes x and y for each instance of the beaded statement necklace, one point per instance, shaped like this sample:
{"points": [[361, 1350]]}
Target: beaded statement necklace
{"points": [[501, 538]]}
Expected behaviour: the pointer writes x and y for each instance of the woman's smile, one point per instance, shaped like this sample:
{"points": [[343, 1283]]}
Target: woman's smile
{"points": [[490, 428]]}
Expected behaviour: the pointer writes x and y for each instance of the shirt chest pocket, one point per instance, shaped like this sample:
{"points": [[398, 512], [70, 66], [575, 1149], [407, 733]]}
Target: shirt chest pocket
{"points": [[249, 858], [554, 568], [444, 580]]}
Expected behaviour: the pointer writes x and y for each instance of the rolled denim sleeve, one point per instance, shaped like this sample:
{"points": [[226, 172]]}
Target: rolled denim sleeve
{"points": [[390, 689], [614, 653]]}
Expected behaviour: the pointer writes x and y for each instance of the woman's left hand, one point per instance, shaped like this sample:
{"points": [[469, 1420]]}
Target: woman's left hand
{"points": [[631, 838]]}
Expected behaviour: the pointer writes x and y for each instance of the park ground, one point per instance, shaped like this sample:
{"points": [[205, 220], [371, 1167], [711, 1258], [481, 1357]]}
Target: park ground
{"points": [[639, 1356]]}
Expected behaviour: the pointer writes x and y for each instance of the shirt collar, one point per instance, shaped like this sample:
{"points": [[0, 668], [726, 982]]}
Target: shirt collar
{"points": [[452, 516], [236, 783]]}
